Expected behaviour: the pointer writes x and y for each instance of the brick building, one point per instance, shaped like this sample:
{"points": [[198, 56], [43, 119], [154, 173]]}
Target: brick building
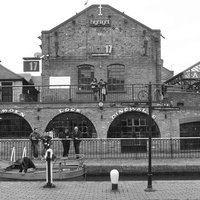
{"points": [[103, 43]]}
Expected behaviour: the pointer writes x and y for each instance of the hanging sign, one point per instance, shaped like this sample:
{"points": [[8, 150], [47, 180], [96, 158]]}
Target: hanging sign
{"points": [[31, 64]]}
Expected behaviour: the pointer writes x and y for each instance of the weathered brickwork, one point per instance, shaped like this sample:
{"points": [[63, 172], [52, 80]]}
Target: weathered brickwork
{"points": [[73, 42], [167, 121], [101, 40]]}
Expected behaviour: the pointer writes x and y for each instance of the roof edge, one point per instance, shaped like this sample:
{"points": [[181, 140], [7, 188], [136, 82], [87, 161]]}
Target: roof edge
{"points": [[94, 5]]}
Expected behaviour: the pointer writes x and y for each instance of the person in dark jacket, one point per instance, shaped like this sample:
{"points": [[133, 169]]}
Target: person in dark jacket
{"points": [[66, 142], [102, 90], [25, 164], [34, 138], [46, 140], [76, 135]]}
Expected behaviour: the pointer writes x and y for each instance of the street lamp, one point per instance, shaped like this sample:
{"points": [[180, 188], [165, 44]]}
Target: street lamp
{"points": [[149, 175]]}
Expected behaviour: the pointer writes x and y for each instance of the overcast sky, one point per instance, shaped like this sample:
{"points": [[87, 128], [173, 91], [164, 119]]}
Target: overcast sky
{"points": [[21, 22]]}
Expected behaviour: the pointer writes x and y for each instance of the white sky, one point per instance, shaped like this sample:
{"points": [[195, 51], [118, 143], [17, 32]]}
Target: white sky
{"points": [[21, 22]]}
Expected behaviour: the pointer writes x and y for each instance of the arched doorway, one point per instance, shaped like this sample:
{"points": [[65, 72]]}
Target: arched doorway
{"points": [[133, 125], [70, 120], [14, 126]]}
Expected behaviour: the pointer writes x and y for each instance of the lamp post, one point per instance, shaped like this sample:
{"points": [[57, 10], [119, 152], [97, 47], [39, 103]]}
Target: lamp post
{"points": [[149, 175]]}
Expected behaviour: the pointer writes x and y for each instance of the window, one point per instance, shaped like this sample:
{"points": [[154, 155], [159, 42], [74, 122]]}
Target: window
{"points": [[115, 74], [71, 120], [191, 129], [14, 126], [85, 76], [7, 92]]}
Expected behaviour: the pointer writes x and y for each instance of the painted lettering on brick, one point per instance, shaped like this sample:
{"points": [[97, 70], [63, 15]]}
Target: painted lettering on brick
{"points": [[70, 110], [99, 22], [129, 109], [100, 49], [12, 111]]}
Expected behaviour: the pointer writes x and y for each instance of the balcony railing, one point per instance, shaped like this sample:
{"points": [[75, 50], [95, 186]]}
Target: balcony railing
{"points": [[77, 93], [120, 148]]}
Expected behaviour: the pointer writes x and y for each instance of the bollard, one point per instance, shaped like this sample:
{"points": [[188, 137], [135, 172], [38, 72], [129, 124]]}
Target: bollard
{"points": [[114, 176], [49, 171]]}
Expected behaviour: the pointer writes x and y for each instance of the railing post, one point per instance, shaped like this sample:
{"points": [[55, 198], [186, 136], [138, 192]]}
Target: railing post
{"points": [[171, 146], [101, 148]]}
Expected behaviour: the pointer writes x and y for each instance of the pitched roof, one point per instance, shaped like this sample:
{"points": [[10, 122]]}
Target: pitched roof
{"points": [[92, 6], [6, 74], [33, 80], [186, 73]]}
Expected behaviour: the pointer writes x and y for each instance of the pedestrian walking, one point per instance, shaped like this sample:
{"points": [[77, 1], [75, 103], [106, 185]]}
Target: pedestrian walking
{"points": [[34, 138], [76, 135]]}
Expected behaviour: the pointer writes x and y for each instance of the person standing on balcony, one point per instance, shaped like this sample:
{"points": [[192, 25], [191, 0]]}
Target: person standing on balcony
{"points": [[34, 138], [66, 142], [94, 87], [102, 90], [76, 135]]}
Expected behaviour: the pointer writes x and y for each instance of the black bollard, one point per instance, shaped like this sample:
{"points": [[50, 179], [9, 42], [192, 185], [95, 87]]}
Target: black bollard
{"points": [[49, 173]]}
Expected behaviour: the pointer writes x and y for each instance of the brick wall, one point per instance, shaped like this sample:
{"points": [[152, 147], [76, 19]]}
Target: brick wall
{"points": [[72, 43]]}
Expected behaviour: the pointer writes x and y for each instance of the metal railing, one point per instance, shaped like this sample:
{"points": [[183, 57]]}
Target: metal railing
{"points": [[76, 93], [112, 148]]}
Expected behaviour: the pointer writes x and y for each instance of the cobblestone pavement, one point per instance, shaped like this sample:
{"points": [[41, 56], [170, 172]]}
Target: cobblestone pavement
{"points": [[86, 190]]}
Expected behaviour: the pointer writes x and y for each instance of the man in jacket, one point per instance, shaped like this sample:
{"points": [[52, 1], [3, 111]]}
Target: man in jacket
{"points": [[76, 135], [66, 142], [25, 164], [34, 138]]}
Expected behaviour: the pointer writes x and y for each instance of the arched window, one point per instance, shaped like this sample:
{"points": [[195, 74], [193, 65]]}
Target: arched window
{"points": [[85, 76], [70, 120], [14, 126], [116, 77]]}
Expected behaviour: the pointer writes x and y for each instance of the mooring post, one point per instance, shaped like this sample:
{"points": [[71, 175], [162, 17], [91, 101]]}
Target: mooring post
{"points": [[49, 171]]}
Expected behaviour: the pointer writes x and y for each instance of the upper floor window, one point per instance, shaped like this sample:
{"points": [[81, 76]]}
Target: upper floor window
{"points": [[85, 76], [6, 92], [116, 77]]}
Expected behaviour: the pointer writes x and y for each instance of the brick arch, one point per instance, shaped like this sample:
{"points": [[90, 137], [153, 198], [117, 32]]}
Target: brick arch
{"points": [[14, 126], [131, 125], [70, 120]]}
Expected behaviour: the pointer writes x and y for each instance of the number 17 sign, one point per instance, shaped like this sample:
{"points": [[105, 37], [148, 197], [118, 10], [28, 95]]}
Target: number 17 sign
{"points": [[31, 66]]}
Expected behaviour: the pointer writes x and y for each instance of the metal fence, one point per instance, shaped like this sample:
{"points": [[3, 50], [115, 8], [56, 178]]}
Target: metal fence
{"points": [[119, 148], [76, 93]]}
